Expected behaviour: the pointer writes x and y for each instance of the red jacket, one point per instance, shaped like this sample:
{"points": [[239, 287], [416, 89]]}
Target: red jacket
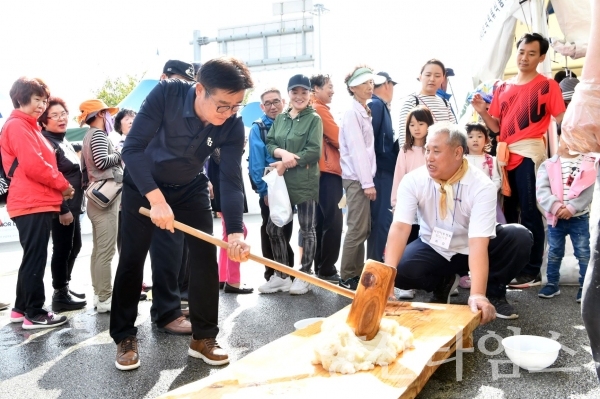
{"points": [[36, 185]]}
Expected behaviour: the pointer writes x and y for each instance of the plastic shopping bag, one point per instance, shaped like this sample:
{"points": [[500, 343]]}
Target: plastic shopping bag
{"points": [[280, 207], [581, 123]]}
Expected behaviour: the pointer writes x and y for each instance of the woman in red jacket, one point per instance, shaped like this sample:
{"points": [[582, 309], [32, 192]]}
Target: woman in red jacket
{"points": [[36, 192]]}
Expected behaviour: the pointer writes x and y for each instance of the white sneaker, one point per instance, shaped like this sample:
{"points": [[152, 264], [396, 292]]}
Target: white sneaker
{"points": [[96, 300], [276, 284], [299, 287], [104, 307], [406, 294]]}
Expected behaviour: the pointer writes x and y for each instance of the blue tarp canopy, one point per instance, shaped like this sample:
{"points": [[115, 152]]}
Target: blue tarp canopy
{"points": [[137, 96]]}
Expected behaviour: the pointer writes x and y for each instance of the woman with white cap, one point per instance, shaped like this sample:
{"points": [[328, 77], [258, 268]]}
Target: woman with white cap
{"points": [[358, 169], [295, 139], [100, 161]]}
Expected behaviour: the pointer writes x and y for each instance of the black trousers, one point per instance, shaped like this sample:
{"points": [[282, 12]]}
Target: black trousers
{"points": [[66, 244], [330, 222], [421, 267], [590, 306], [34, 235], [191, 205], [265, 243], [166, 297], [522, 207], [381, 216]]}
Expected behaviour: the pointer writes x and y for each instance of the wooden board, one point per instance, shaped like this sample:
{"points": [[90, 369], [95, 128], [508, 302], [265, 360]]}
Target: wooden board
{"points": [[283, 369]]}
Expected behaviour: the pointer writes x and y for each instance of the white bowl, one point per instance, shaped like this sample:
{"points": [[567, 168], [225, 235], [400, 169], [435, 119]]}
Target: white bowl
{"points": [[531, 352], [300, 324]]}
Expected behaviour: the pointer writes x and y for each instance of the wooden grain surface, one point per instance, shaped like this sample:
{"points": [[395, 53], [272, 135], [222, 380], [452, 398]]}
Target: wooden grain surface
{"points": [[283, 369]]}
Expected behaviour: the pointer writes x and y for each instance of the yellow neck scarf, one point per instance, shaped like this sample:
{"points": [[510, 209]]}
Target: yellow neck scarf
{"points": [[447, 193]]}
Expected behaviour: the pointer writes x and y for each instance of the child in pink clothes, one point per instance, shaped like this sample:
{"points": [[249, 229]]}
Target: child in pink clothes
{"points": [[411, 157], [229, 270]]}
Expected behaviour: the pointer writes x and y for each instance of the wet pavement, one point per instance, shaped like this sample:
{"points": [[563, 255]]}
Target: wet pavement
{"points": [[77, 359]]}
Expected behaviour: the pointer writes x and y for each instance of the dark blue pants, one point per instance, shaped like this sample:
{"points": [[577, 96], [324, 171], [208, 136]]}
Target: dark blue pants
{"points": [[34, 235], [521, 207], [66, 244], [191, 205], [330, 222], [381, 216], [421, 267], [578, 228]]}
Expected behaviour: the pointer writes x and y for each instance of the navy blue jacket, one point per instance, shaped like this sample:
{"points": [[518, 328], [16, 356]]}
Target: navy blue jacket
{"points": [[385, 153], [169, 144]]}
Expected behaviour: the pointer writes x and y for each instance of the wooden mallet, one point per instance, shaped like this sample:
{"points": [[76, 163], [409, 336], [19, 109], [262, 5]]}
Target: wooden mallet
{"points": [[368, 302]]}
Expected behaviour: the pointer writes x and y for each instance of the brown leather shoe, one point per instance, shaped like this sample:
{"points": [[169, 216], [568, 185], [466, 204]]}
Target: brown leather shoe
{"points": [[186, 312], [179, 326], [208, 350], [127, 354]]}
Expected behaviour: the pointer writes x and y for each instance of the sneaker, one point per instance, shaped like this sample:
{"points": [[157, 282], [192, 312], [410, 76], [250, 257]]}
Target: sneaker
{"points": [[128, 357], [504, 310], [335, 278], [465, 282], [143, 296], [299, 287], [63, 300], [441, 294], [406, 294], [526, 281], [276, 284], [43, 320], [549, 291], [455, 292], [578, 297], [96, 300], [104, 306], [351, 283], [4, 305], [16, 316], [146, 287], [208, 350]]}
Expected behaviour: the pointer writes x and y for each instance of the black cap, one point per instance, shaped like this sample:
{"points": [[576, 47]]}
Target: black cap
{"points": [[299, 81], [387, 77], [183, 69], [449, 72]]}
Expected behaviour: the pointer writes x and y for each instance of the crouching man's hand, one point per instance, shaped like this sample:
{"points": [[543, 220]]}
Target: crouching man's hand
{"points": [[480, 302]]}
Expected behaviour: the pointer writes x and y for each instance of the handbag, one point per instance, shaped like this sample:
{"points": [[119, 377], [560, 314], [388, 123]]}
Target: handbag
{"points": [[104, 192], [280, 207]]}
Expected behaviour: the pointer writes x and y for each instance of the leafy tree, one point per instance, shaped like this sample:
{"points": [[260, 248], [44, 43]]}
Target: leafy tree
{"points": [[113, 91]]}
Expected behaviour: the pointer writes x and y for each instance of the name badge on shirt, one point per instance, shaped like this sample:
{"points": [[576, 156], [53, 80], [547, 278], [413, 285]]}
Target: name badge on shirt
{"points": [[441, 238]]}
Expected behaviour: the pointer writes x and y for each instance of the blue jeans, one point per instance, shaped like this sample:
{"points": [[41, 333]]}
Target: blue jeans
{"points": [[578, 228]]}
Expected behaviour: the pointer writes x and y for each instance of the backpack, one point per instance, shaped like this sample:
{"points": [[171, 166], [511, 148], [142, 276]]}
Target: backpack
{"points": [[5, 179], [264, 130]]}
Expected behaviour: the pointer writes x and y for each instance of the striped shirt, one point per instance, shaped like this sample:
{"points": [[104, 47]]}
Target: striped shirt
{"points": [[570, 169], [99, 145], [439, 108]]}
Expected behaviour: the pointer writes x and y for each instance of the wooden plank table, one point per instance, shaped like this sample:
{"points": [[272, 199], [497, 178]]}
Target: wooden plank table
{"points": [[283, 369]]}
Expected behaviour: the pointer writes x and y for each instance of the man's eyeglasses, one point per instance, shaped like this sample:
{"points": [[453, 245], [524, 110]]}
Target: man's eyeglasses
{"points": [[221, 109], [56, 117], [270, 104]]}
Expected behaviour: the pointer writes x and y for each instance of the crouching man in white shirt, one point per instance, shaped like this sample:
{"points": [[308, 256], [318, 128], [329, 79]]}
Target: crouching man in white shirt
{"points": [[456, 209]]}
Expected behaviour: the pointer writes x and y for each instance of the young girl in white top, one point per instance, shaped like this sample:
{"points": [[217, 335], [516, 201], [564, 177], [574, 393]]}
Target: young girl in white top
{"points": [[478, 141], [410, 157]]}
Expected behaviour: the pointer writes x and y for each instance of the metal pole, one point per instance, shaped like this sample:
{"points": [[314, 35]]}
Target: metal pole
{"points": [[318, 10], [320, 66]]}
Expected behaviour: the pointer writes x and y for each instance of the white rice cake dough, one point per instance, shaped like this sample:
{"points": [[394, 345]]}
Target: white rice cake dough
{"points": [[339, 350]]}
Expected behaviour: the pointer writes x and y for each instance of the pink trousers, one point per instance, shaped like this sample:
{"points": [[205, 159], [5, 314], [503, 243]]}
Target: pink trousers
{"points": [[229, 270]]}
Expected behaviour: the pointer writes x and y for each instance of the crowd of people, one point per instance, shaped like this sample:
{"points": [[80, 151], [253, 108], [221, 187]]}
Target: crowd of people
{"points": [[429, 199]]}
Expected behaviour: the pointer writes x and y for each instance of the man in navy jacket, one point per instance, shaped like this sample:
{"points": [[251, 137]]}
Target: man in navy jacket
{"points": [[386, 152]]}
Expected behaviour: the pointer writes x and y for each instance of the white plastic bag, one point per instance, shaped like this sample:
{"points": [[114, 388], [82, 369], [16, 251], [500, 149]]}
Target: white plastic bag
{"points": [[280, 207], [581, 123]]}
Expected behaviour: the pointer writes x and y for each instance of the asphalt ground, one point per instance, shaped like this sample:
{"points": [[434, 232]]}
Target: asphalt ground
{"points": [[77, 359]]}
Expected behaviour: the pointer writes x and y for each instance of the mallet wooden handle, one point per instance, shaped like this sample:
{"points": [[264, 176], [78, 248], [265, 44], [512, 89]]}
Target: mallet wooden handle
{"points": [[268, 262]]}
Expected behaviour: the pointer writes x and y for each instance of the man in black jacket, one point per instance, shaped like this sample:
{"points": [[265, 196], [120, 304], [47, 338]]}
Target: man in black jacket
{"points": [[386, 152], [179, 125]]}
